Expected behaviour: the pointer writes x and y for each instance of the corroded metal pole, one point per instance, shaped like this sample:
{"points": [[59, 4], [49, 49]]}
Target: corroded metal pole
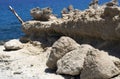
{"points": [[14, 12]]}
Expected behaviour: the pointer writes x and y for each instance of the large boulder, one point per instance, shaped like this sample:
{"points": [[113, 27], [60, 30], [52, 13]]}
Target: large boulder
{"points": [[72, 63], [13, 45], [59, 49], [98, 65]]}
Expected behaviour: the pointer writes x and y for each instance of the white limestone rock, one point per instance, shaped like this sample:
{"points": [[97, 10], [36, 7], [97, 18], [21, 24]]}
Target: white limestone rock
{"points": [[13, 45]]}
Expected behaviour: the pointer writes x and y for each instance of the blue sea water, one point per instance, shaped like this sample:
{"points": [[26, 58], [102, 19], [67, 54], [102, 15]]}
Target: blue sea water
{"points": [[10, 27]]}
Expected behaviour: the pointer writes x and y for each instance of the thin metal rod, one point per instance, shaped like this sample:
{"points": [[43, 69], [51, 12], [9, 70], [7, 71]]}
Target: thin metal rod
{"points": [[14, 12]]}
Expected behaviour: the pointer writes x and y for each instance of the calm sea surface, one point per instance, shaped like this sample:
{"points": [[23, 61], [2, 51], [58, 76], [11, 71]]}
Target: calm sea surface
{"points": [[10, 27]]}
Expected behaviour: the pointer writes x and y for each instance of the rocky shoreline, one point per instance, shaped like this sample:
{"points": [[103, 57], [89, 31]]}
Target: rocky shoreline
{"points": [[80, 45], [65, 59]]}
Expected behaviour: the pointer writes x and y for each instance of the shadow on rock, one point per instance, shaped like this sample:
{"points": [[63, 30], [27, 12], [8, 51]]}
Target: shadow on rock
{"points": [[48, 70]]}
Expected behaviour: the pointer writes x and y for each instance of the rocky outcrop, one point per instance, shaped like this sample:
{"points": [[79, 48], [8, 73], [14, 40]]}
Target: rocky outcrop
{"points": [[59, 49], [102, 22], [72, 62], [67, 56], [13, 45]]}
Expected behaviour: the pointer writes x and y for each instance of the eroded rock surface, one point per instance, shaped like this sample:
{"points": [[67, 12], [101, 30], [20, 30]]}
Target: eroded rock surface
{"points": [[44, 14], [90, 22]]}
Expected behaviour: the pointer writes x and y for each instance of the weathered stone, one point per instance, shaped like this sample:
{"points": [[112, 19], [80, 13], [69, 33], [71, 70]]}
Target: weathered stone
{"points": [[13, 45], [98, 65], [116, 61], [59, 49], [72, 63], [42, 14]]}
